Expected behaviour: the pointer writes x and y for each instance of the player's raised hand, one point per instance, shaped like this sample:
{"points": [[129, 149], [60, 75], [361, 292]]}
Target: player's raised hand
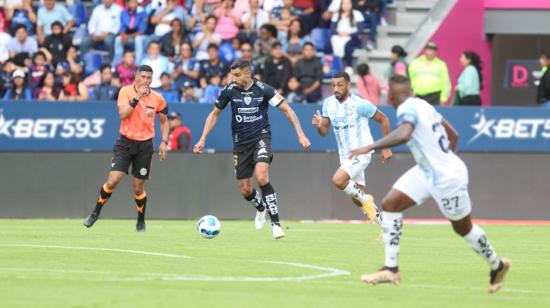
{"points": [[317, 119], [385, 155], [199, 147], [163, 150], [304, 142]]}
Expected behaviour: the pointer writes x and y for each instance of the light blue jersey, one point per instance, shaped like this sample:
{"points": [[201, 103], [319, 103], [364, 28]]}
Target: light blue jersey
{"points": [[350, 121]]}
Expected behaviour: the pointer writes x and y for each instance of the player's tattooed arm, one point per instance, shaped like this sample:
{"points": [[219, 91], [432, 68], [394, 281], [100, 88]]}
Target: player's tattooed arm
{"points": [[452, 134], [209, 124], [293, 119], [322, 124], [400, 135], [384, 122]]}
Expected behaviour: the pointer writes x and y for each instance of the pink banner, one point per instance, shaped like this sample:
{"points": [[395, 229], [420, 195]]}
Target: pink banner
{"points": [[517, 4]]}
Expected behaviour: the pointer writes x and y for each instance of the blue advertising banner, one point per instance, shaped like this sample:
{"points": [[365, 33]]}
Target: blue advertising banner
{"points": [[94, 126]]}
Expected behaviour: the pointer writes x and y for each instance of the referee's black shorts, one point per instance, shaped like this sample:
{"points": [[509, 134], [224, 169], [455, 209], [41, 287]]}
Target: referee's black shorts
{"points": [[137, 154]]}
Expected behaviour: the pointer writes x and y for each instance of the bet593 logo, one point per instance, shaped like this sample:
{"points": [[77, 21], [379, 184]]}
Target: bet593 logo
{"points": [[510, 128], [67, 128]]}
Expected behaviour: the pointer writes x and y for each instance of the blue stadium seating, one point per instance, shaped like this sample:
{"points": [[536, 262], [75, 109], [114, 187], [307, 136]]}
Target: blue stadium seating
{"points": [[93, 61], [321, 39]]}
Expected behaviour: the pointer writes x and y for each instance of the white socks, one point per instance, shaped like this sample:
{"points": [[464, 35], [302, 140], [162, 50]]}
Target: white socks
{"points": [[477, 239], [391, 226], [353, 191]]}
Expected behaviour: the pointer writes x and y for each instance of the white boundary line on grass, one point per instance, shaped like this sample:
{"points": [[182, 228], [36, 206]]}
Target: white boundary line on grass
{"points": [[327, 271]]}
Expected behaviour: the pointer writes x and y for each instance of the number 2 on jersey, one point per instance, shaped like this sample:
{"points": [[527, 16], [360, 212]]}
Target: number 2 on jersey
{"points": [[443, 140]]}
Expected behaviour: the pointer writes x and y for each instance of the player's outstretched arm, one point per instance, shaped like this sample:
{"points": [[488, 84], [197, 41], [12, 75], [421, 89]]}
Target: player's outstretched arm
{"points": [[384, 122], [452, 134], [400, 135], [293, 119], [163, 148], [322, 124], [209, 124]]}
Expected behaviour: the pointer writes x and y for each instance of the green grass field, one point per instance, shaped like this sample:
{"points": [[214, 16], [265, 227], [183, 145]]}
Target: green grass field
{"points": [[59, 263]]}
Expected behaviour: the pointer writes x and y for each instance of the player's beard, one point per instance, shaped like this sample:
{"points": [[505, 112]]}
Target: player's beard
{"points": [[340, 96]]}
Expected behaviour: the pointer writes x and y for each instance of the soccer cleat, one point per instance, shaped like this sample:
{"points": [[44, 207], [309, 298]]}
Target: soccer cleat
{"points": [[90, 220], [498, 275], [140, 226], [278, 232], [369, 209], [384, 275], [260, 219]]}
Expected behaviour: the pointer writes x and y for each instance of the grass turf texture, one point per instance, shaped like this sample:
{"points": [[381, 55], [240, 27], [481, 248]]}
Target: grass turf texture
{"points": [[438, 268]]}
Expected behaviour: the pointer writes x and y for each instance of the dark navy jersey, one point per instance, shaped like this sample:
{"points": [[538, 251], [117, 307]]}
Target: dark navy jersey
{"points": [[249, 120]]}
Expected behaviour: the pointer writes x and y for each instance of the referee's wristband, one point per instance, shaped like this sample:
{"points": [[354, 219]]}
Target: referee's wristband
{"points": [[134, 102]]}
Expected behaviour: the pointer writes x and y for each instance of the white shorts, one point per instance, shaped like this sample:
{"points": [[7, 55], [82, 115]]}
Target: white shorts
{"points": [[355, 168], [454, 203]]}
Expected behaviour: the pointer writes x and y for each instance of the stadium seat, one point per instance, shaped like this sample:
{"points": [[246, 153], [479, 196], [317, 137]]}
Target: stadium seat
{"points": [[321, 39], [227, 53], [78, 11], [92, 61], [331, 65]]}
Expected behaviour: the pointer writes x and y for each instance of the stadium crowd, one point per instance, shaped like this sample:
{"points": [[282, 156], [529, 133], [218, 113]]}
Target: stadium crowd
{"points": [[73, 50]]}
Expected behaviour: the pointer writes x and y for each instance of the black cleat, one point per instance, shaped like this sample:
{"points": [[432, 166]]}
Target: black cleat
{"points": [[140, 227], [90, 220]]}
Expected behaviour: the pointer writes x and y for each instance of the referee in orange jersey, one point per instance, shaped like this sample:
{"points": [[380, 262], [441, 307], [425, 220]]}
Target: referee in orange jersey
{"points": [[137, 107]]}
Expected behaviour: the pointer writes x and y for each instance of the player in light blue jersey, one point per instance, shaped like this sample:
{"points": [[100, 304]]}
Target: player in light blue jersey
{"points": [[349, 116], [439, 173]]}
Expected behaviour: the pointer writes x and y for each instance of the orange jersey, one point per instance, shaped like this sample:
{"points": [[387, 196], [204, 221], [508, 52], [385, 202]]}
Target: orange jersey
{"points": [[140, 125]]}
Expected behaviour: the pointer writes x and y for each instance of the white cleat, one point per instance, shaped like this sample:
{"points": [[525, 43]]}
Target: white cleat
{"points": [[278, 232], [260, 219]]}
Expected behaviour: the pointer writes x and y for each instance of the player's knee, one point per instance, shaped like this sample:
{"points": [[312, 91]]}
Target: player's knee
{"points": [[389, 205], [262, 179], [246, 191], [138, 189], [111, 184], [339, 182]]}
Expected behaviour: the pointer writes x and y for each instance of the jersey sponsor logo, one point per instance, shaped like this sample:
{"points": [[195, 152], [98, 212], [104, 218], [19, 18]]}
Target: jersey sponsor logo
{"points": [[509, 128], [262, 151], [248, 119], [42, 128], [248, 110]]}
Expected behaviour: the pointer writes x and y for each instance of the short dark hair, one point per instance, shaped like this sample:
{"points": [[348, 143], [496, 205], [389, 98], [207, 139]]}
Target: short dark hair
{"points": [[104, 66], [270, 28], [20, 26], [212, 46], [342, 75], [400, 79], [164, 74], [308, 44], [209, 17], [276, 44], [399, 51], [242, 64], [144, 68], [363, 69]]}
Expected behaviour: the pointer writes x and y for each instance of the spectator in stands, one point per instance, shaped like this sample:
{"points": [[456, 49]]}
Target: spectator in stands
{"points": [[47, 89], [213, 66], [398, 64], [310, 15], [3, 21], [47, 14], [368, 86], [72, 63], [295, 95], [164, 15], [126, 69], [246, 52], [206, 37], [470, 81], [22, 46], [105, 91], [283, 24], [276, 69], [309, 72], [543, 90], [5, 39], [229, 20], [212, 90], [19, 89], [253, 19], [103, 27], [187, 69], [179, 138], [276, 13], [157, 61], [72, 89], [172, 41], [6, 73], [346, 26], [371, 10], [262, 45], [188, 93], [295, 41], [133, 25], [21, 13], [58, 43], [170, 94], [430, 77], [38, 68]]}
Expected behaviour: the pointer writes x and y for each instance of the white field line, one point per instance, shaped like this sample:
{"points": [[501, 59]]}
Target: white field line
{"points": [[326, 271]]}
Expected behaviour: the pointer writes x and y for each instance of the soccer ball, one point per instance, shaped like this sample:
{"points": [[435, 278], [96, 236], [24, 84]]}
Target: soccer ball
{"points": [[209, 226]]}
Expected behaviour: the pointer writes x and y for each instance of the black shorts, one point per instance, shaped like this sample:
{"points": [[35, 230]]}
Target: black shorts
{"points": [[128, 152], [246, 156]]}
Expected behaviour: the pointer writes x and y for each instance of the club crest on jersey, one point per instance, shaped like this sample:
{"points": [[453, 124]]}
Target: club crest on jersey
{"points": [[247, 100]]}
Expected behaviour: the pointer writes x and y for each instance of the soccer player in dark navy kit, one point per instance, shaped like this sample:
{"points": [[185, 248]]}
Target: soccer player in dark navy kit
{"points": [[250, 99]]}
